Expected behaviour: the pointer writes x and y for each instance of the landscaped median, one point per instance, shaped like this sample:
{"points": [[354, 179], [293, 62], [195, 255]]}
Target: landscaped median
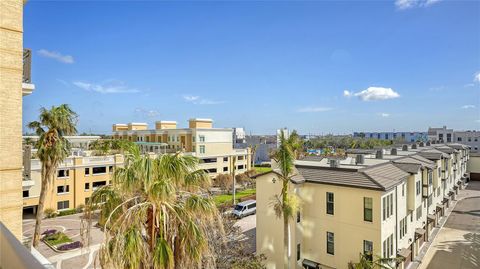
{"points": [[227, 199], [60, 242]]}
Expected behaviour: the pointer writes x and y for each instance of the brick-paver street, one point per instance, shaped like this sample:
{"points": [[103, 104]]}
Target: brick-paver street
{"points": [[457, 244]]}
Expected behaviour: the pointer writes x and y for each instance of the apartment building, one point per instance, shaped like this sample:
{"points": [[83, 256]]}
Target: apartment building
{"points": [[213, 146], [384, 203], [407, 137], [74, 182], [470, 138], [15, 82]]}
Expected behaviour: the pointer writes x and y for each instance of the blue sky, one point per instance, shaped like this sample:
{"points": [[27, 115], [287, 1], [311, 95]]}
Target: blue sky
{"points": [[318, 67]]}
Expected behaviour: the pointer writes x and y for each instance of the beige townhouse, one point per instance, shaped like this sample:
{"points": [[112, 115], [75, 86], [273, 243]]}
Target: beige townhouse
{"points": [[383, 202]]}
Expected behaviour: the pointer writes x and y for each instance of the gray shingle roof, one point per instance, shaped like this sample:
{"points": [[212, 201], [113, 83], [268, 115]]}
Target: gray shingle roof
{"points": [[433, 154], [386, 175], [409, 167]]}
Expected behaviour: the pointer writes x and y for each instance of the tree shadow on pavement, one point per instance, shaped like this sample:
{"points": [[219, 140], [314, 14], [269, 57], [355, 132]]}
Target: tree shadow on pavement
{"points": [[458, 254]]}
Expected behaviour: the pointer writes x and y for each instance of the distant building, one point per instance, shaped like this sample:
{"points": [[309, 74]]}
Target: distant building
{"points": [[238, 135], [394, 136], [265, 145], [470, 138]]}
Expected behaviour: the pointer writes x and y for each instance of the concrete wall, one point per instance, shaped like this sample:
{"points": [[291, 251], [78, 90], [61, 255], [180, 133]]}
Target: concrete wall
{"points": [[11, 70]]}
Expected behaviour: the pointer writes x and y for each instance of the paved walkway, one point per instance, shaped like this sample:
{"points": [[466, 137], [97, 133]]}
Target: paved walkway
{"points": [[457, 242]]}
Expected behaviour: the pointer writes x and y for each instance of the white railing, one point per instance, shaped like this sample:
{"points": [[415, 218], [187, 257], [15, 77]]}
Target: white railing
{"points": [[98, 159]]}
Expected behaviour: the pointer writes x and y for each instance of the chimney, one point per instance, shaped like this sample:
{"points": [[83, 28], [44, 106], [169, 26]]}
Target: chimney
{"points": [[393, 151], [379, 154], [414, 146], [333, 163], [359, 159], [421, 144], [404, 148]]}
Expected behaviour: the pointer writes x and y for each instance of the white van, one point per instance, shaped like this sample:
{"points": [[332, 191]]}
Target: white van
{"points": [[245, 208]]}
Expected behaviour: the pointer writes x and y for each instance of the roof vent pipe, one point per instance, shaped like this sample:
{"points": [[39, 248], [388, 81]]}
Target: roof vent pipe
{"points": [[393, 151], [404, 148], [379, 154], [360, 159]]}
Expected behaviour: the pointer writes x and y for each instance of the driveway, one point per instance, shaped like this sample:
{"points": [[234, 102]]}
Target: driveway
{"points": [[457, 245], [248, 227]]}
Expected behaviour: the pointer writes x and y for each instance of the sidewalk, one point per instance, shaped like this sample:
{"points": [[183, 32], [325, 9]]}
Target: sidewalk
{"points": [[442, 236]]}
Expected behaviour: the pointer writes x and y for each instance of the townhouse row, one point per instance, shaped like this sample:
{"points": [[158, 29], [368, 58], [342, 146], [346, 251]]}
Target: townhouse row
{"points": [[378, 203]]}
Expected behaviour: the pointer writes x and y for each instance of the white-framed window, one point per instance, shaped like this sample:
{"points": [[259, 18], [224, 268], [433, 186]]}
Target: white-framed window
{"points": [[99, 170], [330, 203], [63, 173], [63, 189], [87, 171], [63, 205], [201, 149], [201, 138], [330, 243], [418, 187]]}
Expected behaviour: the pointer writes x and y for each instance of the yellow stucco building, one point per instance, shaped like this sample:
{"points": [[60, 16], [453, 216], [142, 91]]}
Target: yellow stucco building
{"points": [[15, 82]]}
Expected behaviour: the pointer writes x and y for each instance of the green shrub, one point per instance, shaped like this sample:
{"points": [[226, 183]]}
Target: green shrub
{"points": [[50, 213], [67, 212], [80, 208], [57, 238]]}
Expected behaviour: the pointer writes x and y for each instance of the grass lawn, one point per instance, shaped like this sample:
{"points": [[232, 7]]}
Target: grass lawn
{"points": [[223, 198], [57, 239], [260, 170]]}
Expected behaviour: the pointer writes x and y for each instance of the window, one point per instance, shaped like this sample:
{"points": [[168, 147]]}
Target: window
{"points": [[240, 167], [403, 227], [87, 171], [459, 139], [225, 169], [330, 203], [298, 216], [368, 249], [330, 243], [110, 169], [419, 212], [62, 173], [367, 209], [430, 177], [63, 189], [201, 138], [63, 205], [384, 203], [240, 158], [225, 159], [25, 194], [98, 184], [99, 170], [298, 252], [418, 187], [387, 206], [87, 186], [209, 160], [388, 247], [202, 149]]}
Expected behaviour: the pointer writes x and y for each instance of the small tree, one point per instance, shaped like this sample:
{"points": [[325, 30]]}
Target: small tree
{"points": [[368, 261], [242, 179], [224, 182]]}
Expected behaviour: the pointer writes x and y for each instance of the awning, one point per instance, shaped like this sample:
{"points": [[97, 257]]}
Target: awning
{"points": [[430, 218], [450, 193], [310, 264], [445, 200], [419, 232], [404, 253], [440, 207], [459, 182], [455, 187]]}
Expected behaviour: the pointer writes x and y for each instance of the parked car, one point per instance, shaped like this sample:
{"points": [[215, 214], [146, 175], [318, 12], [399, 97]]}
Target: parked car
{"points": [[245, 208]]}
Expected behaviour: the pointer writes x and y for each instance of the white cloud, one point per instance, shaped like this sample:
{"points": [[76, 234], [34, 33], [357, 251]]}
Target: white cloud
{"points": [[197, 100], [476, 77], [468, 106], [373, 94], [407, 4], [314, 109], [149, 113], [468, 85], [111, 86], [384, 115], [66, 59]]}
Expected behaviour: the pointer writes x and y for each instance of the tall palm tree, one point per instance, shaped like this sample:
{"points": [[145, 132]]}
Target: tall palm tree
{"points": [[156, 214], [286, 204], [52, 148]]}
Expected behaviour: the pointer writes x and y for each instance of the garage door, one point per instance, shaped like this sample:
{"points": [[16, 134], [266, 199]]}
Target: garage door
{"points": [[475, 176]]}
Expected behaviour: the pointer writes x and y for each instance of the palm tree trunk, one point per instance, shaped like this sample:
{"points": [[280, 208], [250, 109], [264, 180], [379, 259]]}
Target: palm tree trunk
{"points": [[41, 201], [286, 243]]}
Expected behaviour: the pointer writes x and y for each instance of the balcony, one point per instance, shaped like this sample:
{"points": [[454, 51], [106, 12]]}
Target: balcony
{"points": [[27, 85], [27, 183], [14, 255]]}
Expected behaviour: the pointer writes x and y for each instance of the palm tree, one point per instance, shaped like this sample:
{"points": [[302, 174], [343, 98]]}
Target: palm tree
{"points": [[156, 214], [367, 262], [285, 204], [52, 148]]}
